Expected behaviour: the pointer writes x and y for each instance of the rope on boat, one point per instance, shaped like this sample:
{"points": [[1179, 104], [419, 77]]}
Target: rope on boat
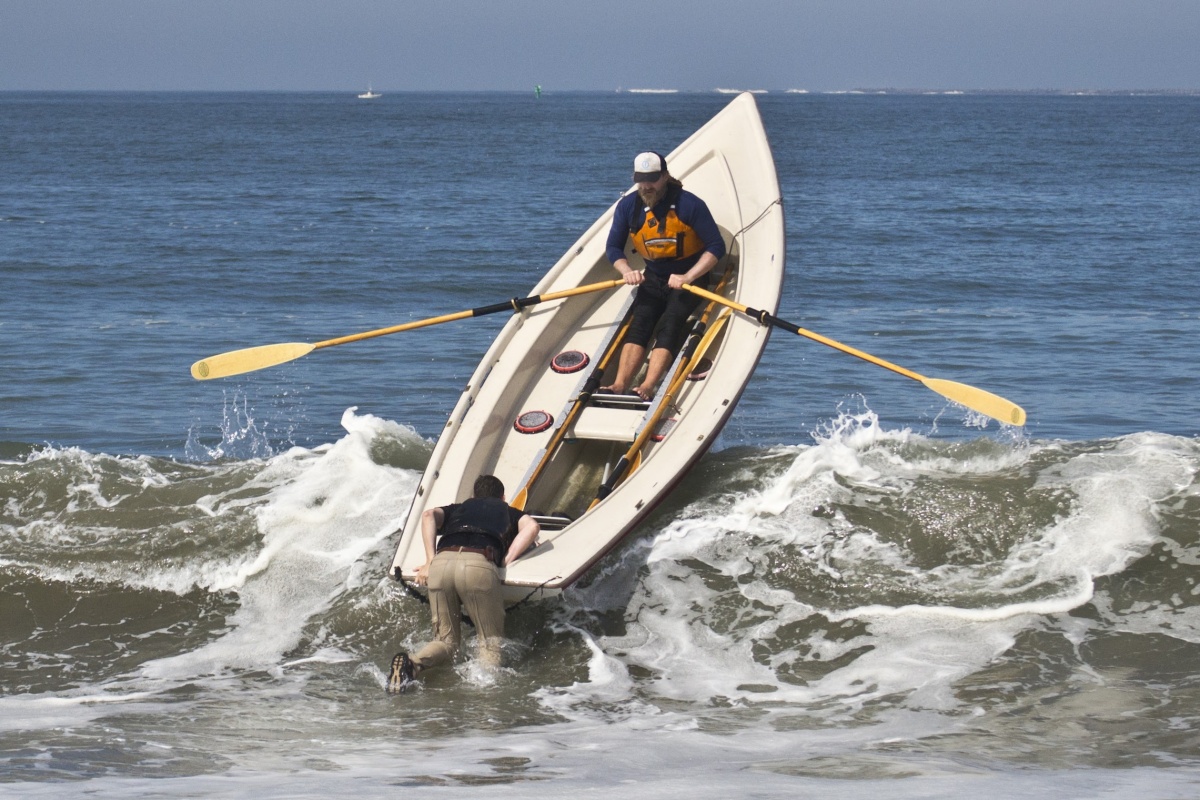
{"points": [[532, 592], [778, 201], [762, 317]]}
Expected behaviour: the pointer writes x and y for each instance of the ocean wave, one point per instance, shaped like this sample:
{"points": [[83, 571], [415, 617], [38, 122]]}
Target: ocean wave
{"points": [[872, 574], [878, 564]]}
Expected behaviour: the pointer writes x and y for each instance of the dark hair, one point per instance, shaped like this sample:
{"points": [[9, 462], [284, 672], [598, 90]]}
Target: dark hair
{"points": [[489, 486]]}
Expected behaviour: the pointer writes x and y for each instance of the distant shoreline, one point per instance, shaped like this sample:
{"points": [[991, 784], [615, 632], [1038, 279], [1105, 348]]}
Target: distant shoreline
{"points": [[664, 92]]}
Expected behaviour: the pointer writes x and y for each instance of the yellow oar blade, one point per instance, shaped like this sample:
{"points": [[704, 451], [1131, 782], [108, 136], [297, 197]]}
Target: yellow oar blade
{"points": [[238, 361], [993, 405]]}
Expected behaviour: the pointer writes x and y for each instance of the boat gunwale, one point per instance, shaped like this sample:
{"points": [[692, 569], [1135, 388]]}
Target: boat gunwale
{"points": [[771, 241]]}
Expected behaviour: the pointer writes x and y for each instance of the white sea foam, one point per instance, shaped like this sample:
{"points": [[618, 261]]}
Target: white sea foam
{"points": [[327, 509], [608, 682], [710, 625], [28, 712], [972, 611]]}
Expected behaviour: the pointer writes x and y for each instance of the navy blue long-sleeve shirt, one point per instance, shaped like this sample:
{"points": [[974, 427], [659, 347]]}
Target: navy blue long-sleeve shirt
{"points": [[631, 213]]}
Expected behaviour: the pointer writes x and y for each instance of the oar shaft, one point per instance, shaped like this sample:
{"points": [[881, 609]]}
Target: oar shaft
{"points": [[250, 359], [515, 304], [408, 326], [769, 319], [973, 398]]}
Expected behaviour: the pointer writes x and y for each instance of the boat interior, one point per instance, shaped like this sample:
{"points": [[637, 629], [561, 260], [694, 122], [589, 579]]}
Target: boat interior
{"points": [[596, 440]]}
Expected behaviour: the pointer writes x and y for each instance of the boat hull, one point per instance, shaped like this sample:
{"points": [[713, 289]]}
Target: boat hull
{"points": [[541, 429]]}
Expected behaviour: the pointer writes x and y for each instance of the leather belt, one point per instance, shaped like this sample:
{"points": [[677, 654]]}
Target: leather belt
{"points": [[487, 552]]}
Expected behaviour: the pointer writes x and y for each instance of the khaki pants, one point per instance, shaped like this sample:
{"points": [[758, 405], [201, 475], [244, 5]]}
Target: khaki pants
{"points": [[458, 581]]}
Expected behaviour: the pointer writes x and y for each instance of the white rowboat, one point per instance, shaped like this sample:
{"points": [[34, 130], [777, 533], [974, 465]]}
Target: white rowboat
{"points": [[591, 467]]}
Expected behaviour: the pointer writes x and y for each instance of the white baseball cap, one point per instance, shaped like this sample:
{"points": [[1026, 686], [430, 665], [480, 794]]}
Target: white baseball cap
{"points": [[648, 167]]}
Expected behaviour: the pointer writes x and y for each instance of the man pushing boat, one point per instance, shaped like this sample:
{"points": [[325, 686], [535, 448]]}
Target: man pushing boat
{"points": [[673, 230], [466, 544]]}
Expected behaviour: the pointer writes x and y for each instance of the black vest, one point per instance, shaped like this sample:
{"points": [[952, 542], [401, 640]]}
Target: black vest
{"points": [[479, 522]]}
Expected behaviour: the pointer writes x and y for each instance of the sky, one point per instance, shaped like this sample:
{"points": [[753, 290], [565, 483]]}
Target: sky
{"points": [[513, 45]]}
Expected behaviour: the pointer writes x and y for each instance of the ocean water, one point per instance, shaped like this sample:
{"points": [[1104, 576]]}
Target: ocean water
{"points": [[862, 589]]}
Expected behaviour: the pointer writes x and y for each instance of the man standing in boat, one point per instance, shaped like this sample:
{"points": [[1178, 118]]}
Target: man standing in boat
{"points": [[673, 230], [466, 544]]}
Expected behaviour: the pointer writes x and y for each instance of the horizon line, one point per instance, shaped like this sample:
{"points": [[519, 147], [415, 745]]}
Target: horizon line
{"points": [[621, 90]]}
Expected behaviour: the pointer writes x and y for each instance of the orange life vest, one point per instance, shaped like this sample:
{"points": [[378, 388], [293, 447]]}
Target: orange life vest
{"points": [[666, 239]]}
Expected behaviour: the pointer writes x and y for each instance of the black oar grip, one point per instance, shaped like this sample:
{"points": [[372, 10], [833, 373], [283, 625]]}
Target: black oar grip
{"points": [[515, 304], [492, 309], [607, 487], [694, 340], [765, 318]]}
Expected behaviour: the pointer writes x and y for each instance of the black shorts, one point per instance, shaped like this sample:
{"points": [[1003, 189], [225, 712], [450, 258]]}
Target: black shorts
{"points": [[669, 309]]}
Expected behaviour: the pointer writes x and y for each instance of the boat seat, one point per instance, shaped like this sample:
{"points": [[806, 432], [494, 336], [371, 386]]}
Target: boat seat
{"points": [[609, 424], [605, 400], [552, 522]]}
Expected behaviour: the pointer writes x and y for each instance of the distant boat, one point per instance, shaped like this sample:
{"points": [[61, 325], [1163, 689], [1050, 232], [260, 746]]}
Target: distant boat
{"points": [[368, 94]]}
